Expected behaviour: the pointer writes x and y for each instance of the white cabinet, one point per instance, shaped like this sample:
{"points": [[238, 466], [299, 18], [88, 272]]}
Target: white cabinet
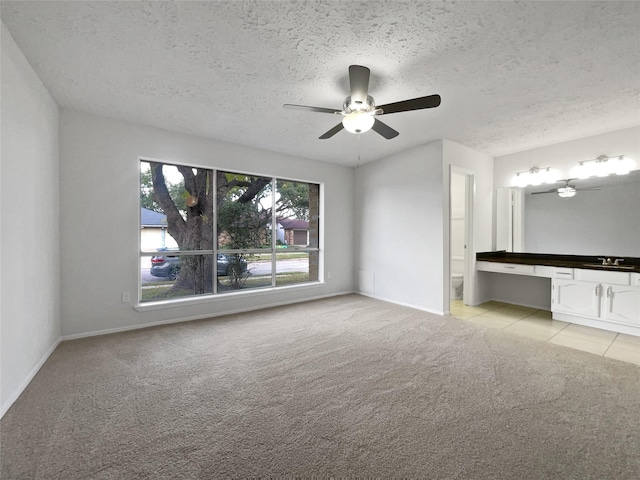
{"points": [[575, 298], [622, 304], [596, 298], [608, 302], [514, 268]]}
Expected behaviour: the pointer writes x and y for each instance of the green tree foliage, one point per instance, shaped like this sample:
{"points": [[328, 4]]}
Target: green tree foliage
{"points": [[294, 199], [177, 193], [242, 224]]}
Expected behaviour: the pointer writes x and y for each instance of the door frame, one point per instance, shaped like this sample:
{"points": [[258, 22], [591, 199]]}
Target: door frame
{"points": [[469, 264]]}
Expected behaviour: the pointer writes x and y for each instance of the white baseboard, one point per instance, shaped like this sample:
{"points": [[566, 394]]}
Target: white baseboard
{"points": [[403, 304], [18, 391], [590, 322], [198, 317]]}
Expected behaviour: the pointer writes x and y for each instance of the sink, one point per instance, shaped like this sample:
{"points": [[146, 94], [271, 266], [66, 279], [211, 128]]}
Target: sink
{"points": [[611, 267]]}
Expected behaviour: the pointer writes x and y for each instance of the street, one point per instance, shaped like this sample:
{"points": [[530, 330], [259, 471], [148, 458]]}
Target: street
{"points": [[256, 268]]}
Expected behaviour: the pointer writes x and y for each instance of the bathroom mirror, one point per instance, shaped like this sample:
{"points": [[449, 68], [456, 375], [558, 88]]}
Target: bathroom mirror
{"points": [[602, 220]]}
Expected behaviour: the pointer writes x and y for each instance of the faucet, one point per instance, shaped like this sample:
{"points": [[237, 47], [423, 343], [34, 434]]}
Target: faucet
{"points": [[609, 262]]}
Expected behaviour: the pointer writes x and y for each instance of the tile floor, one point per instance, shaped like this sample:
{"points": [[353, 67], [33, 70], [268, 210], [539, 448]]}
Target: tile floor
{"points": [[539, 325]]}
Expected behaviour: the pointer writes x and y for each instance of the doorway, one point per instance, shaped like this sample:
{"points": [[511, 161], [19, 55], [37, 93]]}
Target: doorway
{"points": [[460, 236]]}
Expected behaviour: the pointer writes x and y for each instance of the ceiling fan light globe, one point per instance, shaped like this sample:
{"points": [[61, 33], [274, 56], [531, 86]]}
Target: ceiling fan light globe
{"points": [[566, 192], [358, 122]]}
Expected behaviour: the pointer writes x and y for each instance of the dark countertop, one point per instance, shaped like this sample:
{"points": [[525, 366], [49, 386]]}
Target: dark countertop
{"points": [[570, 261]]}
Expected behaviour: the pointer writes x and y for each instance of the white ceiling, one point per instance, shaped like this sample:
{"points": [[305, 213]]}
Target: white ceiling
{"points": [[512, 75]]}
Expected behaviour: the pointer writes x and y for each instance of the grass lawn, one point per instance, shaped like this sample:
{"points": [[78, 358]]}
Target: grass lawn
{"points": [[266, 257], [163, 291]]}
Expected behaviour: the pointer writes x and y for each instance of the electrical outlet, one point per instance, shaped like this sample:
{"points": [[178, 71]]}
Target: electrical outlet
{"points": [[328, 275], [126, 297]]}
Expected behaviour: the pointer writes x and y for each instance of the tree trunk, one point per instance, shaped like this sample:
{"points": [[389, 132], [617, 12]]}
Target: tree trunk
{"points": [[193, 233]]}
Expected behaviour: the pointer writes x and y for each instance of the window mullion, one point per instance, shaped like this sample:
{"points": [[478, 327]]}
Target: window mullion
{"points": [[274, 232], [214, 226]]}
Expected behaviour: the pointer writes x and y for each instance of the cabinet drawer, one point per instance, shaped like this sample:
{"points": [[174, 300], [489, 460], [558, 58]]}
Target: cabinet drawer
{"points": [[562, 272], [514, 268], [635, 279], [613, 278]]}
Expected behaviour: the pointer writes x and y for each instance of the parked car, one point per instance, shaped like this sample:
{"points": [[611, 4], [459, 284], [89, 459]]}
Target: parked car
{"points": [[169, 265]]}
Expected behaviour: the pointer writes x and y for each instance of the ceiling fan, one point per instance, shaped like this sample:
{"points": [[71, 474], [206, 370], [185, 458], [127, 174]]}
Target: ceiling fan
{"points": [[359, 110], [567, 190]]}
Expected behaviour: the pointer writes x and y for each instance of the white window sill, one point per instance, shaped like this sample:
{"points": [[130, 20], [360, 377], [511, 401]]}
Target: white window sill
{"points": [[203, 299]]}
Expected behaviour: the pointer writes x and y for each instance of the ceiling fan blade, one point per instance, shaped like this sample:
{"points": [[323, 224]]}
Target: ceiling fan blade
{"points": [[430, 101], [359, 82], [306, 108], [587, 189], [383, 129], [553, 190], [332, 132]]}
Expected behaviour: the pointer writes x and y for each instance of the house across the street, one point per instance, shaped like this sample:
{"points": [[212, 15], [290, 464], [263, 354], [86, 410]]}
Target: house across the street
{"points": [[292, 231], [153, 231]]}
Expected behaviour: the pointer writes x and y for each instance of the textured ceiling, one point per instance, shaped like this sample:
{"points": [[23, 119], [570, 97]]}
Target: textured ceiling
{"points": [[512, 75]]}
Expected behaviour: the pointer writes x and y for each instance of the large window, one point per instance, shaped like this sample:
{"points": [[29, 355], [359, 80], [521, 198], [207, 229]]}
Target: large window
{"points": [[208, 232]]}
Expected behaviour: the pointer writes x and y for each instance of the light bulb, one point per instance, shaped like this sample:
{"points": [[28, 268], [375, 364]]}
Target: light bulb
{"points": [[358, 122], [553, 175], [519, 180], [582, 170], [535, 179], [622, 166]]}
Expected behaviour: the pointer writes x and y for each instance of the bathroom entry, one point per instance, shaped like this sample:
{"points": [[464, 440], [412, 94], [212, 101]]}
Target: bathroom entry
{"points": [[460, 221]]}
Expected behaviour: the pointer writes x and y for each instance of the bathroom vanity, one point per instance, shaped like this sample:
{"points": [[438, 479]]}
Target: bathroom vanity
{"points": [[587, 290]]}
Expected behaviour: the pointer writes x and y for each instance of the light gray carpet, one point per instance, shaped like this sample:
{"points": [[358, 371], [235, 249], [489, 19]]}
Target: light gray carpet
{"points": [[342, 387]]}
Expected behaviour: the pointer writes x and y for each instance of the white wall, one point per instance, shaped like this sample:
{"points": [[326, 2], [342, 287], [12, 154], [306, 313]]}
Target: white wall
{"points": [[566, 155], [480, 166], [29, 204], [99, 220], [402, 224], [400, 228], [523, 290]]}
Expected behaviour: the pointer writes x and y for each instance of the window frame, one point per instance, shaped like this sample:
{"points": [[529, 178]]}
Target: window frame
{"points": [[272, 250]]}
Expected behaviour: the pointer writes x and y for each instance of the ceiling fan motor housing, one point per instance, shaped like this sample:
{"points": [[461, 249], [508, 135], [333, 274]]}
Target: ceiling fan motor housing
{"points": [[350, 106]]}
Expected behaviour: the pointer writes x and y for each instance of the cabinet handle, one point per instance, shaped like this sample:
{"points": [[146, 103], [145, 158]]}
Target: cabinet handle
{"points": [[511, 268], [597, 290], [608, 292]]}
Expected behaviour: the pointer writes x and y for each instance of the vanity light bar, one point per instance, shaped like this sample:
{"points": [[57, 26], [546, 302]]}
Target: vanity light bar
{"points": [[603, 166], [535, 176]]}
